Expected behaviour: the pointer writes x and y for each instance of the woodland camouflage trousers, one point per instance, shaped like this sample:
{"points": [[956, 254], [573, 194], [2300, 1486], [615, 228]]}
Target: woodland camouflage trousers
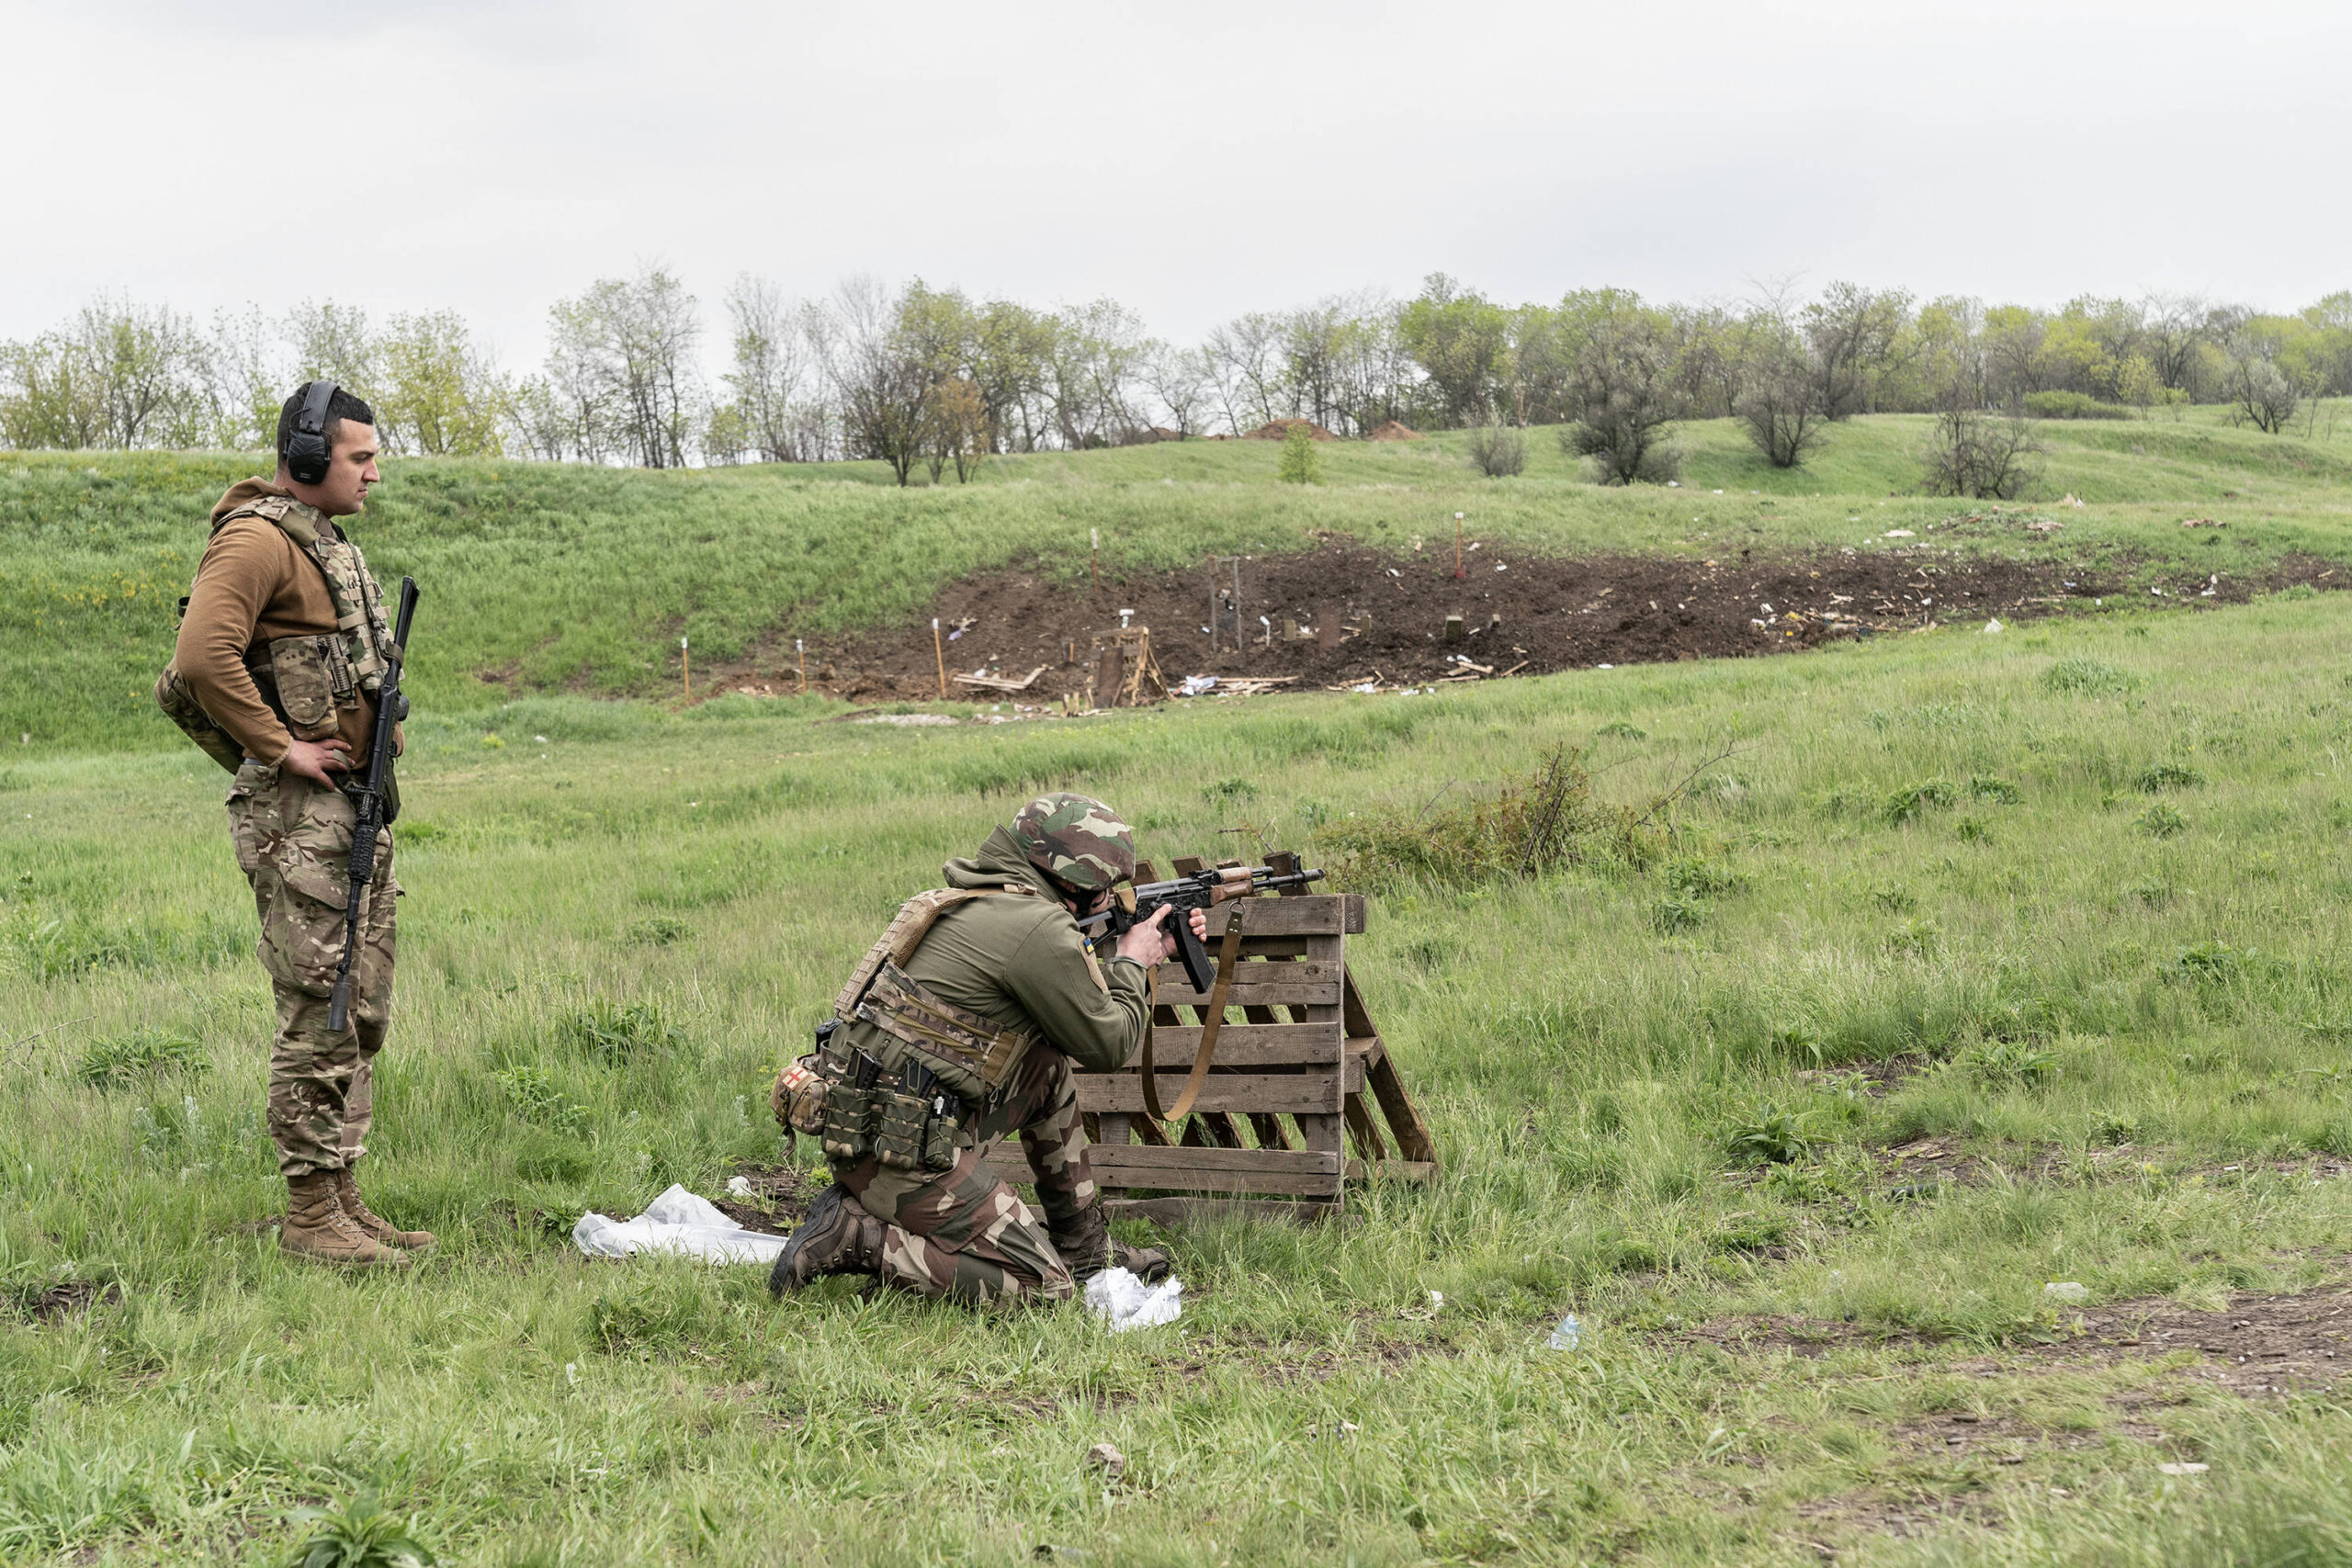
{"points": [[293, 843], [962, 1232]]}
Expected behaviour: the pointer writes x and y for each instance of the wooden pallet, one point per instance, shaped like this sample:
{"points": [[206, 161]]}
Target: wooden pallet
{"points": [[1301, 1098]]}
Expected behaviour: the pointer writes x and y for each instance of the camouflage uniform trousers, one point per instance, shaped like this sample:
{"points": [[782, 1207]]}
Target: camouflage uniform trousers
{"points": [[963, 1233], [293, 843]]}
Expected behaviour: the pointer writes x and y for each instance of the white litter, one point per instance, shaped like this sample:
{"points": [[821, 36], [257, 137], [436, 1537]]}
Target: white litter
{"points": [[676, 1222], [1568, 1333], [2190, 1469], [740, 1187], [1123, 1302], [1194, 686], [2066, 1291], [1991, 626], [1896, 533]]}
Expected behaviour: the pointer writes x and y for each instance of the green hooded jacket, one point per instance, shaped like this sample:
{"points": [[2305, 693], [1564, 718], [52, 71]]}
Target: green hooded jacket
{"points": [[1022, 963]]}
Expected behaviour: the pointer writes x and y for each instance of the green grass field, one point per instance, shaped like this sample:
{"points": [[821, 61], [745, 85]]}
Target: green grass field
{"points": [[2083, 882]]}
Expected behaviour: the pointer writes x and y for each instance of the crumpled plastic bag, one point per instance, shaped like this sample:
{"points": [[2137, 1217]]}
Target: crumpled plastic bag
{"points": [[1123, 1302], [676, 1222]]}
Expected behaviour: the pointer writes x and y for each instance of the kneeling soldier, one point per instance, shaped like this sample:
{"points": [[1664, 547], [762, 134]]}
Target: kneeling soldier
{"points": [[957, 1028]]}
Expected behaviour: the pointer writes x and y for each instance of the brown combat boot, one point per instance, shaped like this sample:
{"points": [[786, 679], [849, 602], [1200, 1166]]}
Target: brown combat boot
{"points": [[317, 1229], [372, 1225], [1088, 1248], [838, 1237]]}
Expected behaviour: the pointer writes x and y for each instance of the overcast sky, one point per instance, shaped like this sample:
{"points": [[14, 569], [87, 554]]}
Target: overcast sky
{"points": [[1190, 160]]}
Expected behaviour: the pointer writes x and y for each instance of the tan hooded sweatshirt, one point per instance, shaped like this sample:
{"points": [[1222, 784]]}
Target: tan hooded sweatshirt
{"points": [[254, 586]]}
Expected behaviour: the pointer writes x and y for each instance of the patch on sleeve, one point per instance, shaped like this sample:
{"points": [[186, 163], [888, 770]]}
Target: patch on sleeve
{"points": [[1095, 970]]}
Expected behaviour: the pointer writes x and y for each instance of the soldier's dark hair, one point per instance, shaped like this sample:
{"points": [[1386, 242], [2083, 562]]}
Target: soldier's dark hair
{"points": [[340, 407]]}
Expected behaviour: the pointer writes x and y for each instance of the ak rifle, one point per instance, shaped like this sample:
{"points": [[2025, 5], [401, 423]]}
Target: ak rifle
{"points": [[368, 801], [1181, 895]]}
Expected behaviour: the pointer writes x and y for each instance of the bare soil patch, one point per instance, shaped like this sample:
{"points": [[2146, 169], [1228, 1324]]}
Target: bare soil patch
{"points": [[52, 1304], [1362, 616], [2258, 1345], [783, 1195]]}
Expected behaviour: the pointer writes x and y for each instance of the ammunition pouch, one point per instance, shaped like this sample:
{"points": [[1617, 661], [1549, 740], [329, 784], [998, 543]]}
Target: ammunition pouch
{"points": [[970, 1055]]}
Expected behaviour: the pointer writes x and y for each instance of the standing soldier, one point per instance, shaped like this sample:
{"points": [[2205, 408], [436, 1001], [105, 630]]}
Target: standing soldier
{"points": [[959, 1027], [280, 653]]}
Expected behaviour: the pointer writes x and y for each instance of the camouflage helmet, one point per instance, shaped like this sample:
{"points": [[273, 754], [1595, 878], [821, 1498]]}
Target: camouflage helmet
{"points": [[1076, 841]]}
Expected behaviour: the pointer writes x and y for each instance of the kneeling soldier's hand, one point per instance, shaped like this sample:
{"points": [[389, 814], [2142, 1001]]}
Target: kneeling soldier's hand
{"points": [[1148, 942]]}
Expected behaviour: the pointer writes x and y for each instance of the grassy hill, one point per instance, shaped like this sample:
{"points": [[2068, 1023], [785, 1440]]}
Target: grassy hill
{"points": [[546, 578]]}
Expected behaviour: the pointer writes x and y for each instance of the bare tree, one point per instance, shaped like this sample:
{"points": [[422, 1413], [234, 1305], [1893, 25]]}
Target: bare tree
{"points": [[118, 374], [1179, 379], [622, 357], [879, 381], [2173, 325], [773, 366], [2263, 393], [1972, 453], [1852, 333], [1246, 364]]}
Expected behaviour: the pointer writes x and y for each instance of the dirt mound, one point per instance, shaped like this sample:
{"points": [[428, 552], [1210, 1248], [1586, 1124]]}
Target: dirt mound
{"points": [[1364, 616], [1390, 430], [1280, 430]]}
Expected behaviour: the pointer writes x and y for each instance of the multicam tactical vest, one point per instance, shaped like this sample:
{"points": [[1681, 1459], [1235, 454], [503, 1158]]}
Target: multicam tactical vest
{"points": [[305, 680]]}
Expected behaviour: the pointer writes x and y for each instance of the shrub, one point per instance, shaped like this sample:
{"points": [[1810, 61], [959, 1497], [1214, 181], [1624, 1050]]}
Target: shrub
{"points": [[615, 1034], [2072, 405], [661, 931], [1972, 830], [1999, 791], [536, 1098], [1696, 876], [1918, 938], [1770, 1134], [363, 1534], [123, 1059], [1906, 804], [1300, 464], [2000, 1062], [2158, 777], [1498, 451], [2086, 677], [2162, 821], [1621, 389], [1531, 823], [1669, 917], [1975, 454], [1895, 898], [1623, 731]]}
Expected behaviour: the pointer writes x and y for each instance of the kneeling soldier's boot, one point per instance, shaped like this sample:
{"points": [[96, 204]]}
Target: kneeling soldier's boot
{"points": [[1085, 1242], [317, 1229], [838, 1237], [370, 1224]]}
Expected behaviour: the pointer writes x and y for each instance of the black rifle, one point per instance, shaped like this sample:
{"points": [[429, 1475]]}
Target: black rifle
{"points": [[1184, 894], [368, 798]]}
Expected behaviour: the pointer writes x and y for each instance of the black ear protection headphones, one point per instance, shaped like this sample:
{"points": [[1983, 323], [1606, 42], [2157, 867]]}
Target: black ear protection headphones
{"points": [[307, 452]]}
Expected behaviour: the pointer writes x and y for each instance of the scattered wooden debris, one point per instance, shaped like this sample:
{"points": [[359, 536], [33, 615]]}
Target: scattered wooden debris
{"points": [[999, 683]]}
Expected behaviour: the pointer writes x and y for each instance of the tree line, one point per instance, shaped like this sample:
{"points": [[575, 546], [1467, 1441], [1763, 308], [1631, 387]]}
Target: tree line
{"points": [[930, 379]]}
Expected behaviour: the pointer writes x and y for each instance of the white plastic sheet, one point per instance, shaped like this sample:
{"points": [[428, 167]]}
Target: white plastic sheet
{"points": [[1123, 1302], [676, 1222]]}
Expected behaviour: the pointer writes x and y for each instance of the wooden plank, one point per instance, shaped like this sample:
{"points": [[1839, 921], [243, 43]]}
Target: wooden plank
{"points": [[1269, 1130], [1184, 1210], [1269, 984], [1315, 1089], [1178, 1161], [1242, 1045], [1108, 1129], [1405, 1123], [1330, 914], [1320, 1184]]}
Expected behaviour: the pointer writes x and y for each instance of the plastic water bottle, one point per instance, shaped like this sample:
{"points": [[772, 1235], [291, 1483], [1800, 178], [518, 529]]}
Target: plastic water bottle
{"points": [[1567, 1335]]}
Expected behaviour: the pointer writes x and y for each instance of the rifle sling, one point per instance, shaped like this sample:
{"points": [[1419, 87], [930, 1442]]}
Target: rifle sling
{"points": [[1212, 1020]]}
